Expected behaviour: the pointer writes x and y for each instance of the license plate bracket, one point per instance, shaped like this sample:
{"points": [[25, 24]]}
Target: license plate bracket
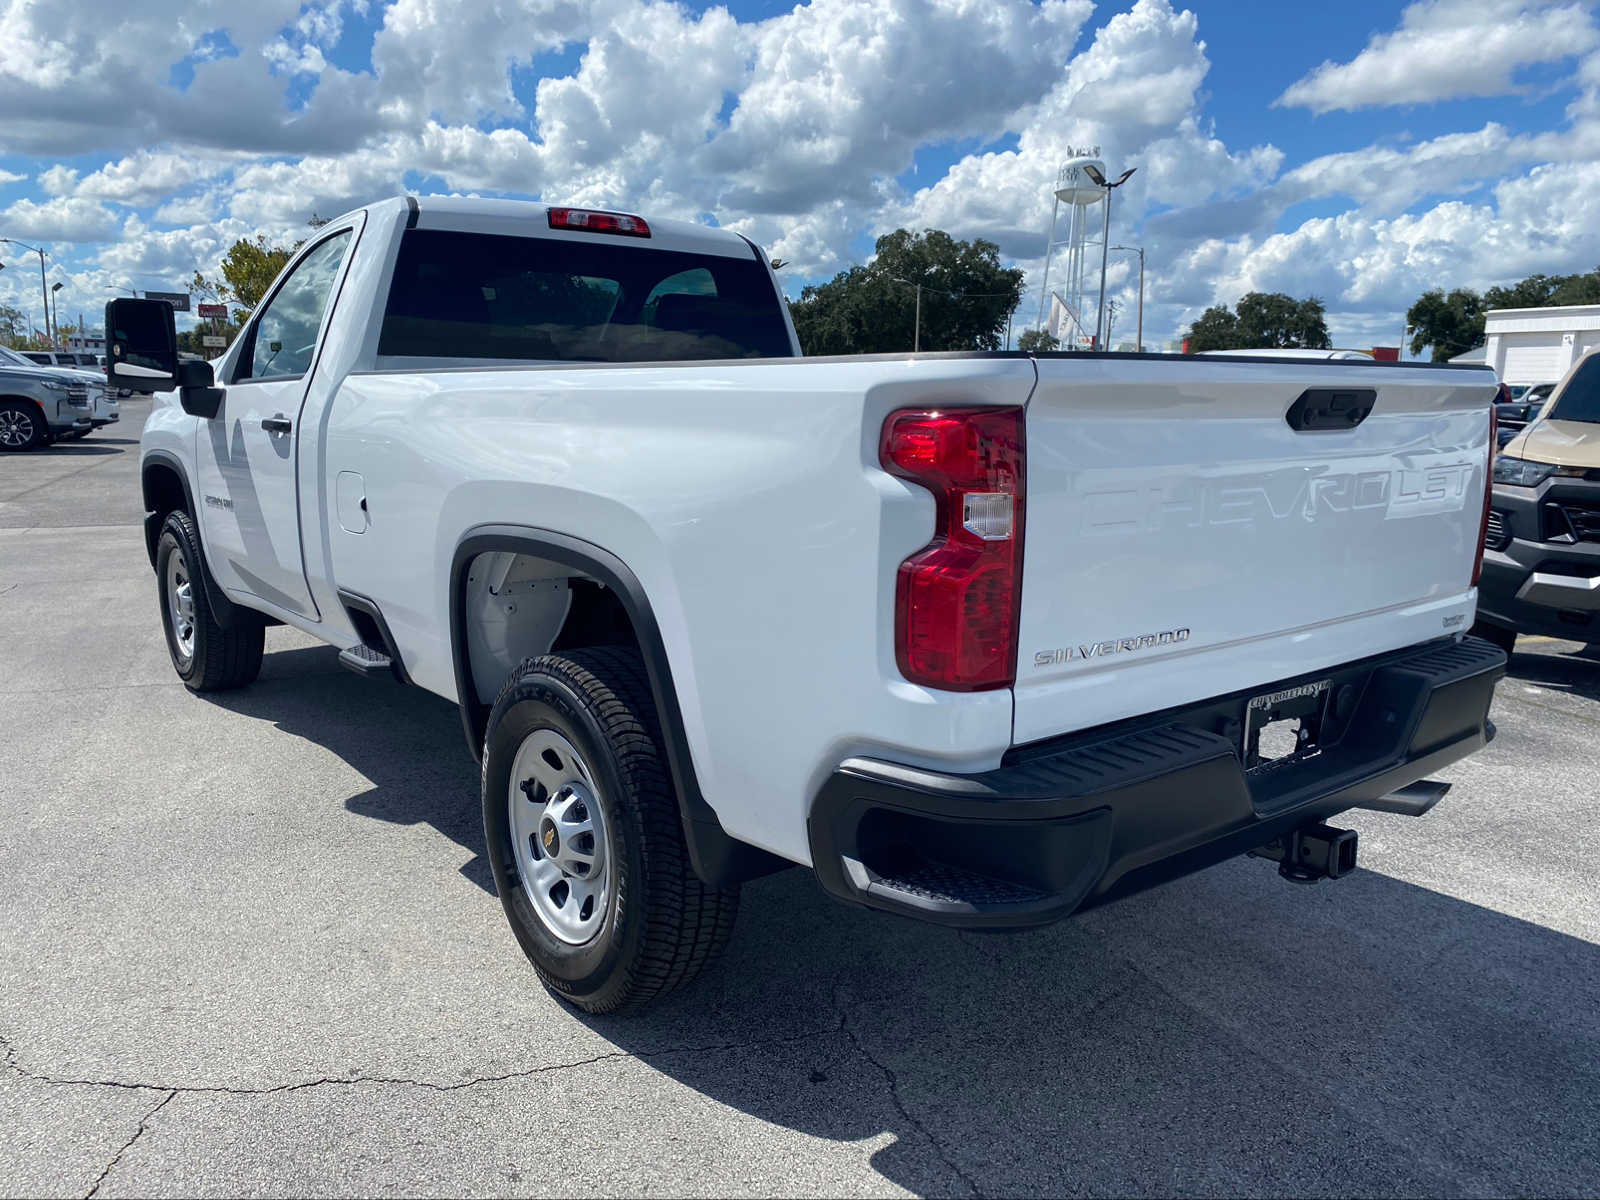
{"points": [[1291, 720]]}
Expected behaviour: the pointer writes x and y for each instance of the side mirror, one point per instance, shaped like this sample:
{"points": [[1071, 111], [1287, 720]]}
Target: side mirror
{"points": [[141, 345], [197, 391]]}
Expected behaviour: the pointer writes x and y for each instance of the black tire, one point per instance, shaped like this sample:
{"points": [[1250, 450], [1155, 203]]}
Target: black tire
{"points": [[221, 658], [1499, 635], [22, 426], [661, 923]]}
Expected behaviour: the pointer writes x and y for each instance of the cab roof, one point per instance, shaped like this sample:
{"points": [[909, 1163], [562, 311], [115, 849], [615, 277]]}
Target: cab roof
{"points": [[525, 218]]}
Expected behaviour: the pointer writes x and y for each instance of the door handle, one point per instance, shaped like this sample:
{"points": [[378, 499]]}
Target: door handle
{"points": [[277, 424]]}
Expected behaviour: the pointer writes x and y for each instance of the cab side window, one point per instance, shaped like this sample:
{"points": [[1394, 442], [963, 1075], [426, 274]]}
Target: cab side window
{"points": [[285, 336]]}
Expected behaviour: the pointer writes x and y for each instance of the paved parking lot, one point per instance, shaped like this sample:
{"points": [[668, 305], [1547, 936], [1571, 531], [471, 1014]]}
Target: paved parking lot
{"points": [[249, 945]]}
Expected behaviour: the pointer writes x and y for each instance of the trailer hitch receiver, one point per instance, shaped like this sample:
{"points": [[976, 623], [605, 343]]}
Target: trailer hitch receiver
{"points": [[1312, 853]]}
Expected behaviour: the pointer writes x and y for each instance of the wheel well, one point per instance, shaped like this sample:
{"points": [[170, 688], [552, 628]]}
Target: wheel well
{"points": [[569, 593], [28, 400], [163, 493], [518, 605]]}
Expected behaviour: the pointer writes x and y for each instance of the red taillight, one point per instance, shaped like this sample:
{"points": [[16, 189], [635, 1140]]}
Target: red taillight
{"points": [[590, 221], [956, 600], [1488, 492]]}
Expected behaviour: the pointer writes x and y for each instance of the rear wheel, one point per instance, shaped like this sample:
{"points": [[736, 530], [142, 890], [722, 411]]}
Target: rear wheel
{"points": [[1505, 638], [207, 657], [21, 426], [584, 836]]}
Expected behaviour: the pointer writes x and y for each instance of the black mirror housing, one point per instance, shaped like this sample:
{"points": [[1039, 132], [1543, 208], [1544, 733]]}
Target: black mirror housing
{"points": [[197, 391], [141, 346]]}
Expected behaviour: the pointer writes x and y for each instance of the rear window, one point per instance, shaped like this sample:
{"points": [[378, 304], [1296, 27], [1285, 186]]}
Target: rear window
{"points": [[473, 295], [1580, 399]]}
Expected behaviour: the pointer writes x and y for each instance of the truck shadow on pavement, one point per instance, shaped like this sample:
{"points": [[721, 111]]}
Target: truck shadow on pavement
{"points": [[1226, 1035], [1577, 673], [406, 741]]}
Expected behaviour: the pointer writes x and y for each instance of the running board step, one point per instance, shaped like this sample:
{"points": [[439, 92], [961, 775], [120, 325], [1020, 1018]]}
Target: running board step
{"points": [[364, 660]]}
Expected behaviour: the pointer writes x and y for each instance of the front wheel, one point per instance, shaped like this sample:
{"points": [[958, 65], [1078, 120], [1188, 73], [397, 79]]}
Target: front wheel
{"points": [[584, 838], [207, 657], [21, 426]]}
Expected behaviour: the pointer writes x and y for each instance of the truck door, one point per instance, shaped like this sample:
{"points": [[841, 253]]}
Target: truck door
{"points": [[248, 454]]}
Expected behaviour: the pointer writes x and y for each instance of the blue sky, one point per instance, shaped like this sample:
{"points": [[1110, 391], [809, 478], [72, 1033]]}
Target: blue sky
{"points": [[1360, 152]]}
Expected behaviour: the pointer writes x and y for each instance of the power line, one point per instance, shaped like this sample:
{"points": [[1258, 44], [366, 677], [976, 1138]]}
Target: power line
{"points": [[941, 292]]}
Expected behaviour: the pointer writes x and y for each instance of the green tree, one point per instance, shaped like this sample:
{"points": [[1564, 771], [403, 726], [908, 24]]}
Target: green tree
{"points": [[13, 325], [1452, 324], [1262, 321], [1038, 341], [1216, 329], [872, 308], [248, 269]]}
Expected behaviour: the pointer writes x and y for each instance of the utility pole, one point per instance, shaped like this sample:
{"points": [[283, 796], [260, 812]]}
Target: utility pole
{"points": [[55, 334], [1139, 250], [44, 292], [916, 329]]}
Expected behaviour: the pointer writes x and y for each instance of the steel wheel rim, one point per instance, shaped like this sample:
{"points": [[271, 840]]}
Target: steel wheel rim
{"points": [[16, 428], [180, 605], [559, 837]]}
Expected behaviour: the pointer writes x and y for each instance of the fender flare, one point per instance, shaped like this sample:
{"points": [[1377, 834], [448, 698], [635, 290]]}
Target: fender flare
{"points": [[227, 613], [717, 858]]}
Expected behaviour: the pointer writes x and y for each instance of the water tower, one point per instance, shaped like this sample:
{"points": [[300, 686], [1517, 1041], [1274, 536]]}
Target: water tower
{"points": [[1082, 231]]}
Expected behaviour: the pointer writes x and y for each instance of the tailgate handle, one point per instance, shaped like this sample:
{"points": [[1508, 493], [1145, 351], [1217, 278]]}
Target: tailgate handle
{"points": [[1330, 408]]}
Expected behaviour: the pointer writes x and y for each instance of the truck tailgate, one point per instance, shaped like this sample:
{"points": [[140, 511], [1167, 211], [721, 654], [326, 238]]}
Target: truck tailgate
{"points": [[1185, 540]]}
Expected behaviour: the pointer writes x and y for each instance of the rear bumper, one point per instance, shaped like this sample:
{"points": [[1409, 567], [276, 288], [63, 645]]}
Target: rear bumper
{"points": [[1081, 820]]}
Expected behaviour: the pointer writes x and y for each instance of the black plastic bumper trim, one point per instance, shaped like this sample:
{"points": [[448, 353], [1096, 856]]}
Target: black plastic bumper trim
{"points": [[1095, 816]]}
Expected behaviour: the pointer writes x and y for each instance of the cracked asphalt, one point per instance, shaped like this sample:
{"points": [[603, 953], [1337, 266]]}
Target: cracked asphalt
{"points": [[249, 946]]}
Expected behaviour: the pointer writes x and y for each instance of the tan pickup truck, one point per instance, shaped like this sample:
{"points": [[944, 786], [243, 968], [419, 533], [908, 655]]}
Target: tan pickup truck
{"points": [[1541, 563]]}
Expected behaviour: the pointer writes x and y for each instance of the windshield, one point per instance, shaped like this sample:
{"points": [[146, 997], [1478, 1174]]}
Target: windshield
{"points": [[1580, 399], [472, 295]]}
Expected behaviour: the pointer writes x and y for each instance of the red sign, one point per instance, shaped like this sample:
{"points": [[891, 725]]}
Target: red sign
{"points": [[220, 311]]}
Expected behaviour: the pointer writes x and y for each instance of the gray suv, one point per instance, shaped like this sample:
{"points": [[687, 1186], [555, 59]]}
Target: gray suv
{"points": [[37, 407]]}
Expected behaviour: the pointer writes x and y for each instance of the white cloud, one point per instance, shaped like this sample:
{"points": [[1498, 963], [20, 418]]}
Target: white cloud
{"points": [[1447, 49], [797, 130], [59, 219]]}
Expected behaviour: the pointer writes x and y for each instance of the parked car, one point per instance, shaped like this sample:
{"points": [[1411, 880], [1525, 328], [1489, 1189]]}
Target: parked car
{"points": [[37, 407], [87, 359], [1541, 565], [1512, 414], [979, 639], [104, 399]]}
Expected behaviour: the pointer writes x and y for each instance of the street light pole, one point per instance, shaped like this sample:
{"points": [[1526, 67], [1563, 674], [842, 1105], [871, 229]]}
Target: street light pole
{"points": [[55, 333], [1139, 250], [1099, 180], [44, 293]]}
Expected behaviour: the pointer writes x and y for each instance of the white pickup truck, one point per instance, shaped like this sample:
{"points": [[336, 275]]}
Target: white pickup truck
{"points": [[982, 639]]}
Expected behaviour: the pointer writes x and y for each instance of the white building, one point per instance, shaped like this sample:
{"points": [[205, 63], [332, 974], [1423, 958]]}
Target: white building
{"points": [[1539, 345]]}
